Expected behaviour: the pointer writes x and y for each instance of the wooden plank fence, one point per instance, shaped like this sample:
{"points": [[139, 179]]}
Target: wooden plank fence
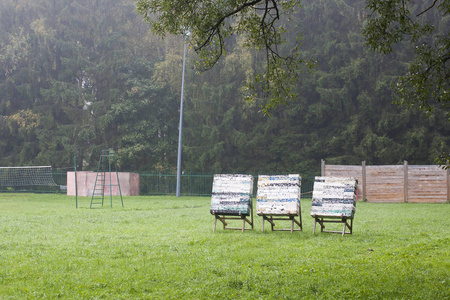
{"points": [[396, 183]]}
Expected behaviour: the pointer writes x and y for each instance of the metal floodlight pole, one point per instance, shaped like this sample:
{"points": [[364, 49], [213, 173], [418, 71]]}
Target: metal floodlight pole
{"points": [[181, 122], [76, 186]]}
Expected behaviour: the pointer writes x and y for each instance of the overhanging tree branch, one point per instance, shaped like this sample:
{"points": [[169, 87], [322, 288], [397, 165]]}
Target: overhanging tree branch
{"points": [[432, 5], [212, 23], [215, 29]]}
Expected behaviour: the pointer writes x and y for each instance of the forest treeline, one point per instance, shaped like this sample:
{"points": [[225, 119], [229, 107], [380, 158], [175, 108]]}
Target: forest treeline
{"points": [[80, 76]]}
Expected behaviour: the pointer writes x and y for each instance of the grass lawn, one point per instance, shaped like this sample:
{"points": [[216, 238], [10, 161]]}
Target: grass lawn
{"points": [[164, 248]]}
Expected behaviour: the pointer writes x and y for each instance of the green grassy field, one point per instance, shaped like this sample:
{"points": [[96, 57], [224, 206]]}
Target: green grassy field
{"points": [[164, 248]]}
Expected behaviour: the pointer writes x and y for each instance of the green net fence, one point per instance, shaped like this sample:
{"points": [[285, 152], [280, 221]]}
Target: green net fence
{"points": [[152, 183], [195, 184]]}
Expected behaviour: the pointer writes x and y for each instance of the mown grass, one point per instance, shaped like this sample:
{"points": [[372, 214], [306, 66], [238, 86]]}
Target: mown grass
{"points": [[164, 248]]}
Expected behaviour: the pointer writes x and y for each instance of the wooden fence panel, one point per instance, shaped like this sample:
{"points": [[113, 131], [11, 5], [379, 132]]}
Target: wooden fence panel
{"points": [[385, 183], [396, 183], [427, 184]]}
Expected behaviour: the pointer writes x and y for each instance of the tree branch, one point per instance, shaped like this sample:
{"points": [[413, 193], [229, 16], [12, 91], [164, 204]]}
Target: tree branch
{"points": [[215, 28], [432, 5]]}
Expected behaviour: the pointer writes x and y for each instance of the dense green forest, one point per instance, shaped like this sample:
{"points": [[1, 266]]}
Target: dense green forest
{"points": [[80, 76]]}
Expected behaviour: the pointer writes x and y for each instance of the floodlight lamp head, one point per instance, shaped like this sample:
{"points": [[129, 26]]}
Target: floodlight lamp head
{"points": [[186, 32]]}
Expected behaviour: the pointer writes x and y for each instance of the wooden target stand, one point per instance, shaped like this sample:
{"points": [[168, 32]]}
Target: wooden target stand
{"points": [[331, 219], [224, 217], [276, 217]]}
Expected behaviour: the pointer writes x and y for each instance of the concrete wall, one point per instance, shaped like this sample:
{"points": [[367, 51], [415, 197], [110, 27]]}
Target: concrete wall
{"points": [[129, 183]]}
